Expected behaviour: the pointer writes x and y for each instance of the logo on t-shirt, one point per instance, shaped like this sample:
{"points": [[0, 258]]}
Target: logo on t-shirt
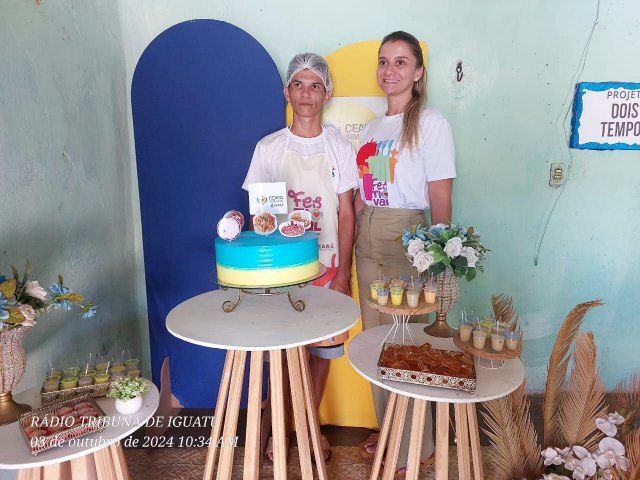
{"points": [[376, 166]]}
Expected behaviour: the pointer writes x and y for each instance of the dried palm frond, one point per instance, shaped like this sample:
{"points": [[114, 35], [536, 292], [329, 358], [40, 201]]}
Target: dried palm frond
{"points": [[625, 399], [503, 310], [515, 452], [632, 452], [557, 369], [583, 399]]}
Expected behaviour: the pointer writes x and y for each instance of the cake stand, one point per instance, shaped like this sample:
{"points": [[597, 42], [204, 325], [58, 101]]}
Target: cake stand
{"points": [[401, 314], [268, 290]]}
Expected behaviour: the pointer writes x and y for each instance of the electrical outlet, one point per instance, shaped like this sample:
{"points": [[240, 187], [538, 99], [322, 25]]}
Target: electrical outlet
{"points": [[557, 175]]}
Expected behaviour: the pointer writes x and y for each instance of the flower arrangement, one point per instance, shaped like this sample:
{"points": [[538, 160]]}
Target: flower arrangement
{"points": [[128, 388], [584, 464], [441, 246], [23, 300]]}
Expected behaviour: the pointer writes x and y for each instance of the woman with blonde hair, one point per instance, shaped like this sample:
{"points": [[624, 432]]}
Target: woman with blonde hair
{"points": [[406, 167]]}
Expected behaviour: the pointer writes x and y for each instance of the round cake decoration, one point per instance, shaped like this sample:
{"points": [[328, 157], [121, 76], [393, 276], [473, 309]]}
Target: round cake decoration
{"points": [[303, 216], [229, 228], [237, 215], [291, 229], [265, 223]]}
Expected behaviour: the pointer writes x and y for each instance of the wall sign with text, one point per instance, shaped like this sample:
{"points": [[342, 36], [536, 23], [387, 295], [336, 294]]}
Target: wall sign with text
{"points": [[606, 116]]}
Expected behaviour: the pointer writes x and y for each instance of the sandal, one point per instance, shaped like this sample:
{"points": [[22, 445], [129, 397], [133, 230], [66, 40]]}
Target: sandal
{"points": [[268, 451], [326, 449], [367, 449]]}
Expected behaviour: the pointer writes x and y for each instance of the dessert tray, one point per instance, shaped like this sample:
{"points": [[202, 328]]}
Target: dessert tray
{"points": [[424, 365], [54, 425], [486, 352]]}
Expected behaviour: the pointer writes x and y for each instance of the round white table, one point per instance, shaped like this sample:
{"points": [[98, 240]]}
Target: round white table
{"points": [[95, 456], [259, 324], [491, 384]]}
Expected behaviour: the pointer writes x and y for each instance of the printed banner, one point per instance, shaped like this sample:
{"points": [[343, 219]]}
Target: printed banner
{"points": [[606, 116]]}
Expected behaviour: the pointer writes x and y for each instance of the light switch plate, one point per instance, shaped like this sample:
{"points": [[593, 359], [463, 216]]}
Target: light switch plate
{"points": [[557, 174]]}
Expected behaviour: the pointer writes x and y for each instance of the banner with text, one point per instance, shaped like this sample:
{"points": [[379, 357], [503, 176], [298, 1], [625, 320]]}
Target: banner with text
{"points": [[606, 116]]}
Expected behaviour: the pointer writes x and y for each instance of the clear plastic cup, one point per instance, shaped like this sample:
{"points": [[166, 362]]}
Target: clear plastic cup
{"points": [[497, 342], [429, 293], [382, 295], [413, 297], [511, 339], [479, 338], [396, 295], [465, 332]]}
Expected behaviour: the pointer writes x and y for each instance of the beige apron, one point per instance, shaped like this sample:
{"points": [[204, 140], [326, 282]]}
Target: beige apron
{"points": [[309, 187]]}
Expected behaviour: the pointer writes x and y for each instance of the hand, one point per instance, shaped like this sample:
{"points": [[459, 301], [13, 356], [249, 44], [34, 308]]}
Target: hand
{"points": [[341, 283]]}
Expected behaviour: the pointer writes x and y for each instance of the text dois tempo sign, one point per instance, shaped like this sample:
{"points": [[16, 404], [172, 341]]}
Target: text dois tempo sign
{"points": [[606, 116]]}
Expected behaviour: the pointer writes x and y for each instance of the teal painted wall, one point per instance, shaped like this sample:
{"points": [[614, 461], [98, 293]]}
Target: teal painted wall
{"points": [[65, 196], [68, 196]]}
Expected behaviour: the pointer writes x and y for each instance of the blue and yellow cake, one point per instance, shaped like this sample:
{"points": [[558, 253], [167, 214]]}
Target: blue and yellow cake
{"points": [[254, 260]]}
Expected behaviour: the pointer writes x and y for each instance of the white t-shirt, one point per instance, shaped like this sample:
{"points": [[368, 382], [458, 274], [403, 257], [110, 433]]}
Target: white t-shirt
{"points": [[399, 180], [266, 163]]}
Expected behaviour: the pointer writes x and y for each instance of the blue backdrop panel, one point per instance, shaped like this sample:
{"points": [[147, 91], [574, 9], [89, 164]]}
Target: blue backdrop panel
{"points": [[203, 93]]}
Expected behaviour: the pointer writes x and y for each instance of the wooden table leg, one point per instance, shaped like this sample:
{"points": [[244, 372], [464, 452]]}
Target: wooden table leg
{"points": [[252, 441], [474, 434], [462, 443], [56, 471], [83, 467], [30, 474], [415, 442], [119, 462], [218, 415], [442, 441], [225, 469], [299, 412], [312, 415], [277, 416], [384, 434], [104, 464], [395, 437]]}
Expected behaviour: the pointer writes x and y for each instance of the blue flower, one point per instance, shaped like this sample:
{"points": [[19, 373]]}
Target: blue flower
{"points": [[3, 313], [88, 311], [2, 278], [58, 290]]}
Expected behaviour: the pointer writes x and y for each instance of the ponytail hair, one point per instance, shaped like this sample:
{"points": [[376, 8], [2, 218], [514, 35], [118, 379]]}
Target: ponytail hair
{"points": [[411, 121]]}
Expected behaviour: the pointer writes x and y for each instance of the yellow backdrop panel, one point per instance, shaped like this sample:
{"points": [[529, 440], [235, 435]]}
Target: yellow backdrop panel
{"points": [[347, 399]]}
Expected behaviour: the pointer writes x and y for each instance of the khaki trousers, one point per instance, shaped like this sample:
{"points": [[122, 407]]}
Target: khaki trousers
{"points": [[378, 246]]}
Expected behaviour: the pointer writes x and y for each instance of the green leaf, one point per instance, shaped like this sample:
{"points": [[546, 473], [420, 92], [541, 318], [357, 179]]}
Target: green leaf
{"points": [[436, 269], [458, 271], [14, 315], [459, 261], [15, 273], [471, 274], [8, 288], [72, 297], [60, 280], [470, 231]]}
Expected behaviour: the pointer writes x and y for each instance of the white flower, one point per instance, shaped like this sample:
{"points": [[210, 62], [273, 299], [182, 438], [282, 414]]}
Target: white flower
{"points": [[453, 246], [586, 466], [554, 476], [422, 261], [610, 453], [34, 290], [608, 425], [29, 315], [551, 457], [470, 254], [439, 226], [415, 246]]}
